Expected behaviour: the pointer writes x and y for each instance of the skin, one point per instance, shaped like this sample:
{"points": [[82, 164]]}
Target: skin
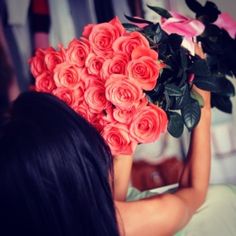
{"points": [[166, 214]]}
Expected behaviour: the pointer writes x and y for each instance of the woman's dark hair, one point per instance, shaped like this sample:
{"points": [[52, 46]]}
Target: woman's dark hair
{"points": [[54, 172]]}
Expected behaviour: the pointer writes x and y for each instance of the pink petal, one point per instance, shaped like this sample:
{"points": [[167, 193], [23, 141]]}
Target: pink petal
{"points": [[226, 22]]}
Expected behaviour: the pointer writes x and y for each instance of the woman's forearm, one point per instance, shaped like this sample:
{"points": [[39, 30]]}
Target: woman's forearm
{"points": [[196, 173], [122, 171]]}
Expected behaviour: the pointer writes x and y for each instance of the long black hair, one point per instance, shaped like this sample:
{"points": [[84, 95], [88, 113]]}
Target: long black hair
{"points": [[54, 172]]}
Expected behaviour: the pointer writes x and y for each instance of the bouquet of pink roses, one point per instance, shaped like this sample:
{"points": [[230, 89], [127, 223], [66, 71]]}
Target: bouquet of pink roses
{"points": [[104, 76]]}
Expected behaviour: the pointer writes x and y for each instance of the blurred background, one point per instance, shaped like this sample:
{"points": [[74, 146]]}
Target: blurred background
{"points": [[29, 24]]}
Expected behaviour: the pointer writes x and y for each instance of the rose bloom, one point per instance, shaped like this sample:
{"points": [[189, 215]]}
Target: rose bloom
{"points": [[95, 97], [83, 110], [99, 121], [122, 92], [70, 97], [103, 35], [117, 137], [68, 76], [53, 58], [142, 51], [148, 123], [145, 71], [116, 65], [90, 80], [128, 43], [78, 51], [44, 83], [94, 63], [124, 116], [37, 63], [87, 30]]}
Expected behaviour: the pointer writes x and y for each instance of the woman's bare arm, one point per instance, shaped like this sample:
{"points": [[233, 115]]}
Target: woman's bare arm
{"points": [[197, 169], [166, 214], [122, 170]]}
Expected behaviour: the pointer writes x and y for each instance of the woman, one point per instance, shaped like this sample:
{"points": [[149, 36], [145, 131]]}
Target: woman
{"points": [[54, 172]]}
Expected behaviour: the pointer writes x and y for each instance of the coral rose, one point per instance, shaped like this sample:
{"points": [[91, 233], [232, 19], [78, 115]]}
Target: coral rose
{"points": [[87, 30], [128, 43], [148, 123], [144, 71], [70, 97], [103, 35], [90, 80], [124, 116], [53, 58], [116, 65], [83, 110], [68, 76], [78, 51], [122, 92], [37, 63], [45, 83], [95, 97], [94, 64], [117, 137], [144, 51]]}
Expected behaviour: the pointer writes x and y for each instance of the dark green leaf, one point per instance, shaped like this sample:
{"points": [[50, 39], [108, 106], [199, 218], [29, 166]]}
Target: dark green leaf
{"points": [[138, 20], [131, 27], [173, 90], [218, 85], [223, 103], [167, 101], [184, 78], [160, 11], [184, 58], [155, 32], [182, 100], [154, 94], [200, 68], [175, 41], [191, 113], [195, 95], [175, 124]]}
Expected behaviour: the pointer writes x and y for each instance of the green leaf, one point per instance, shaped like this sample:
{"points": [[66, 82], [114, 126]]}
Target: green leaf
{"points": [[173, 90], [175, 41], [223, 103], [167, 101], [191, 113], [182, 100], [137, 20], [200, 68], [195, 95], [218, 85], [184, 58], [131, 27], [175, 124], [160, 11]]}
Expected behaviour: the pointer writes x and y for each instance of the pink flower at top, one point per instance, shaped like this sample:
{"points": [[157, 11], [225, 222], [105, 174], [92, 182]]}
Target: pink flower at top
{"points": [[226, 22], [184, 26]]}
